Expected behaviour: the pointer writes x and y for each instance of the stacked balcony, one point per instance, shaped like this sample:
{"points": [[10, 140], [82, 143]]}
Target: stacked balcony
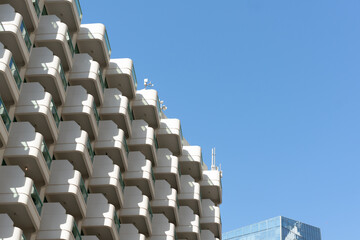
{"points": [[211, 187], [146, 106], [117, 108], [67, 187], [190, 194], [189, 224], [19, 198], [14, 34], [27, 149], [81, 108], [101, 218], [167, 168], [74, 145], [107, 179], [8, 230], [46, 68], [87, 73], [137, 210], [37, 107], [140, 174], [56, 224], [121, 75], [191, 162], [169, 135], [210, 218], [112, 142], [129, 231], [5, 123], [144, 140], [207, 235], [162, 229]]}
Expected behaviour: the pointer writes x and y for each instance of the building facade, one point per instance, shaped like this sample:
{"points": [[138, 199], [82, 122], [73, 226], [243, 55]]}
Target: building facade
{"points": [[85, 153], [278, 228]]}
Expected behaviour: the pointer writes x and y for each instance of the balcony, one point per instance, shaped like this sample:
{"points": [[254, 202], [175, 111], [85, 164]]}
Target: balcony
{"points": [[27, 149], [4, 125], [87, 73], [169, 135], [166, 201], [74, 145], [53, 34], [207, 235], [146, 106], [162, 229], [117, 108], [8, 230], [68, 11], [191, 162], [129, 231], [56, 224], [37, 107], [93, 40], [14, 34], [10, 80], [46, 68], [137, 210], [19, 198], [140, 174], [101, 218], [210, 219], [67, 187], [210, 186], [112, 142], [190, 194], [189, 224], [143, 139], [89, 237], [167, 168], [107, 179], [81, 108], [121, 75]]}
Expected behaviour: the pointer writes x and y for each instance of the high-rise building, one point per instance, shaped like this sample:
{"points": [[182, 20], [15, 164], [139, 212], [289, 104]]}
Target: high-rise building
{"points": [[277, 228], [86, 155]]}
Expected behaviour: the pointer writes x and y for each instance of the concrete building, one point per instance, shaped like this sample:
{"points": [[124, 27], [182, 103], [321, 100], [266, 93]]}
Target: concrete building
{"points": [[86, 154]]}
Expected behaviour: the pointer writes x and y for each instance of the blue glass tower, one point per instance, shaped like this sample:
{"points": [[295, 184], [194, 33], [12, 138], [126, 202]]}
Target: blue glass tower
{"points": [[277, 228]]}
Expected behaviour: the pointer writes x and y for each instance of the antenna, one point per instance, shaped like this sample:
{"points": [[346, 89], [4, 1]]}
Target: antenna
{"points": [[213, 159], [147, 83], [162, 106]]}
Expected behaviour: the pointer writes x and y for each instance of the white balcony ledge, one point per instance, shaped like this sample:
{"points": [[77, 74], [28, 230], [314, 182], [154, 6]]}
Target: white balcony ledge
{"points": [[146, 106]]}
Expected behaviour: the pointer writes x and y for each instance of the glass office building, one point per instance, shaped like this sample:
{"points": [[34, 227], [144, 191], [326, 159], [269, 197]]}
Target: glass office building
{"points": [[277, 228]]}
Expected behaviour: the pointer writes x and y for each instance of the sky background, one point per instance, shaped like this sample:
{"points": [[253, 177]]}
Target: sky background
{"points": [[272, 84]]}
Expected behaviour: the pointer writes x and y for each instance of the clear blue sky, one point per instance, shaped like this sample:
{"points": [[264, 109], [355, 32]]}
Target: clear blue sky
{"points": [[274, 85]]}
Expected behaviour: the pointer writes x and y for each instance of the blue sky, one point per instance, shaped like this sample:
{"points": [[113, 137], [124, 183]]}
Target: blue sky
{"points": [[273, 85]]}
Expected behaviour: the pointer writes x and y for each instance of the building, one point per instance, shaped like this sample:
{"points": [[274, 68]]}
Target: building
{"points": [[277, 228], [86, 154]]}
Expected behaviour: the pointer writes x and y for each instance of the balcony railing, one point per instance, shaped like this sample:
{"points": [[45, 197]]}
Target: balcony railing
{"points": [[130, 112], [150, 211], [96, 114], [4, 115], [117, 222], [36, 199], [107, 43], [78, 8], [15, 73], [62, 76], [121, 180], [25, 35], [69, 41], [134, 77], [54, 113], [37, 7], [102, 83], [125, 145], [75, 232], [83, 189], [46, 154], [90, 150]]}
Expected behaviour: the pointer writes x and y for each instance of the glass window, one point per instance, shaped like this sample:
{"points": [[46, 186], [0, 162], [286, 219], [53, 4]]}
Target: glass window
{"points": [[15, 72], [4, 115], [46, 154], [96, 114], [78, 8], [54, 112], [25, 35], [36, 199], [90, 150], [37, 8]]}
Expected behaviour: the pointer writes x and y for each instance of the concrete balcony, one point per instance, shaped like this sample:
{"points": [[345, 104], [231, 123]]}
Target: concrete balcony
{"points": [[10, 80], [27, 149], [68, 11], [140, 174], [74, 145], [130, 232], [37, 107], [53, 34], [210, 218], [167, 168], [67, 187], [162, 229], [5, 123], [56, 224], [87, 73], [191, 162], [166, 201], [46, 68], [137, 210], [89, 237], [117, 108], [189, 224], [19, 198], [207, 235], [143, 139], [93, 40], [190, 194], [121, 75], [7, 229], [112, 142], [81, 108], [101, 219], [170, 136], [146, 106], [107, 179], [210, 186], [14, 34]]}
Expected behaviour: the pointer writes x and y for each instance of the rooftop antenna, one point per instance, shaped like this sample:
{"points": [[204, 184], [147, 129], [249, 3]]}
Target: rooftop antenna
{"points": [[213, 162], [147, 83], [163, 107]]}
